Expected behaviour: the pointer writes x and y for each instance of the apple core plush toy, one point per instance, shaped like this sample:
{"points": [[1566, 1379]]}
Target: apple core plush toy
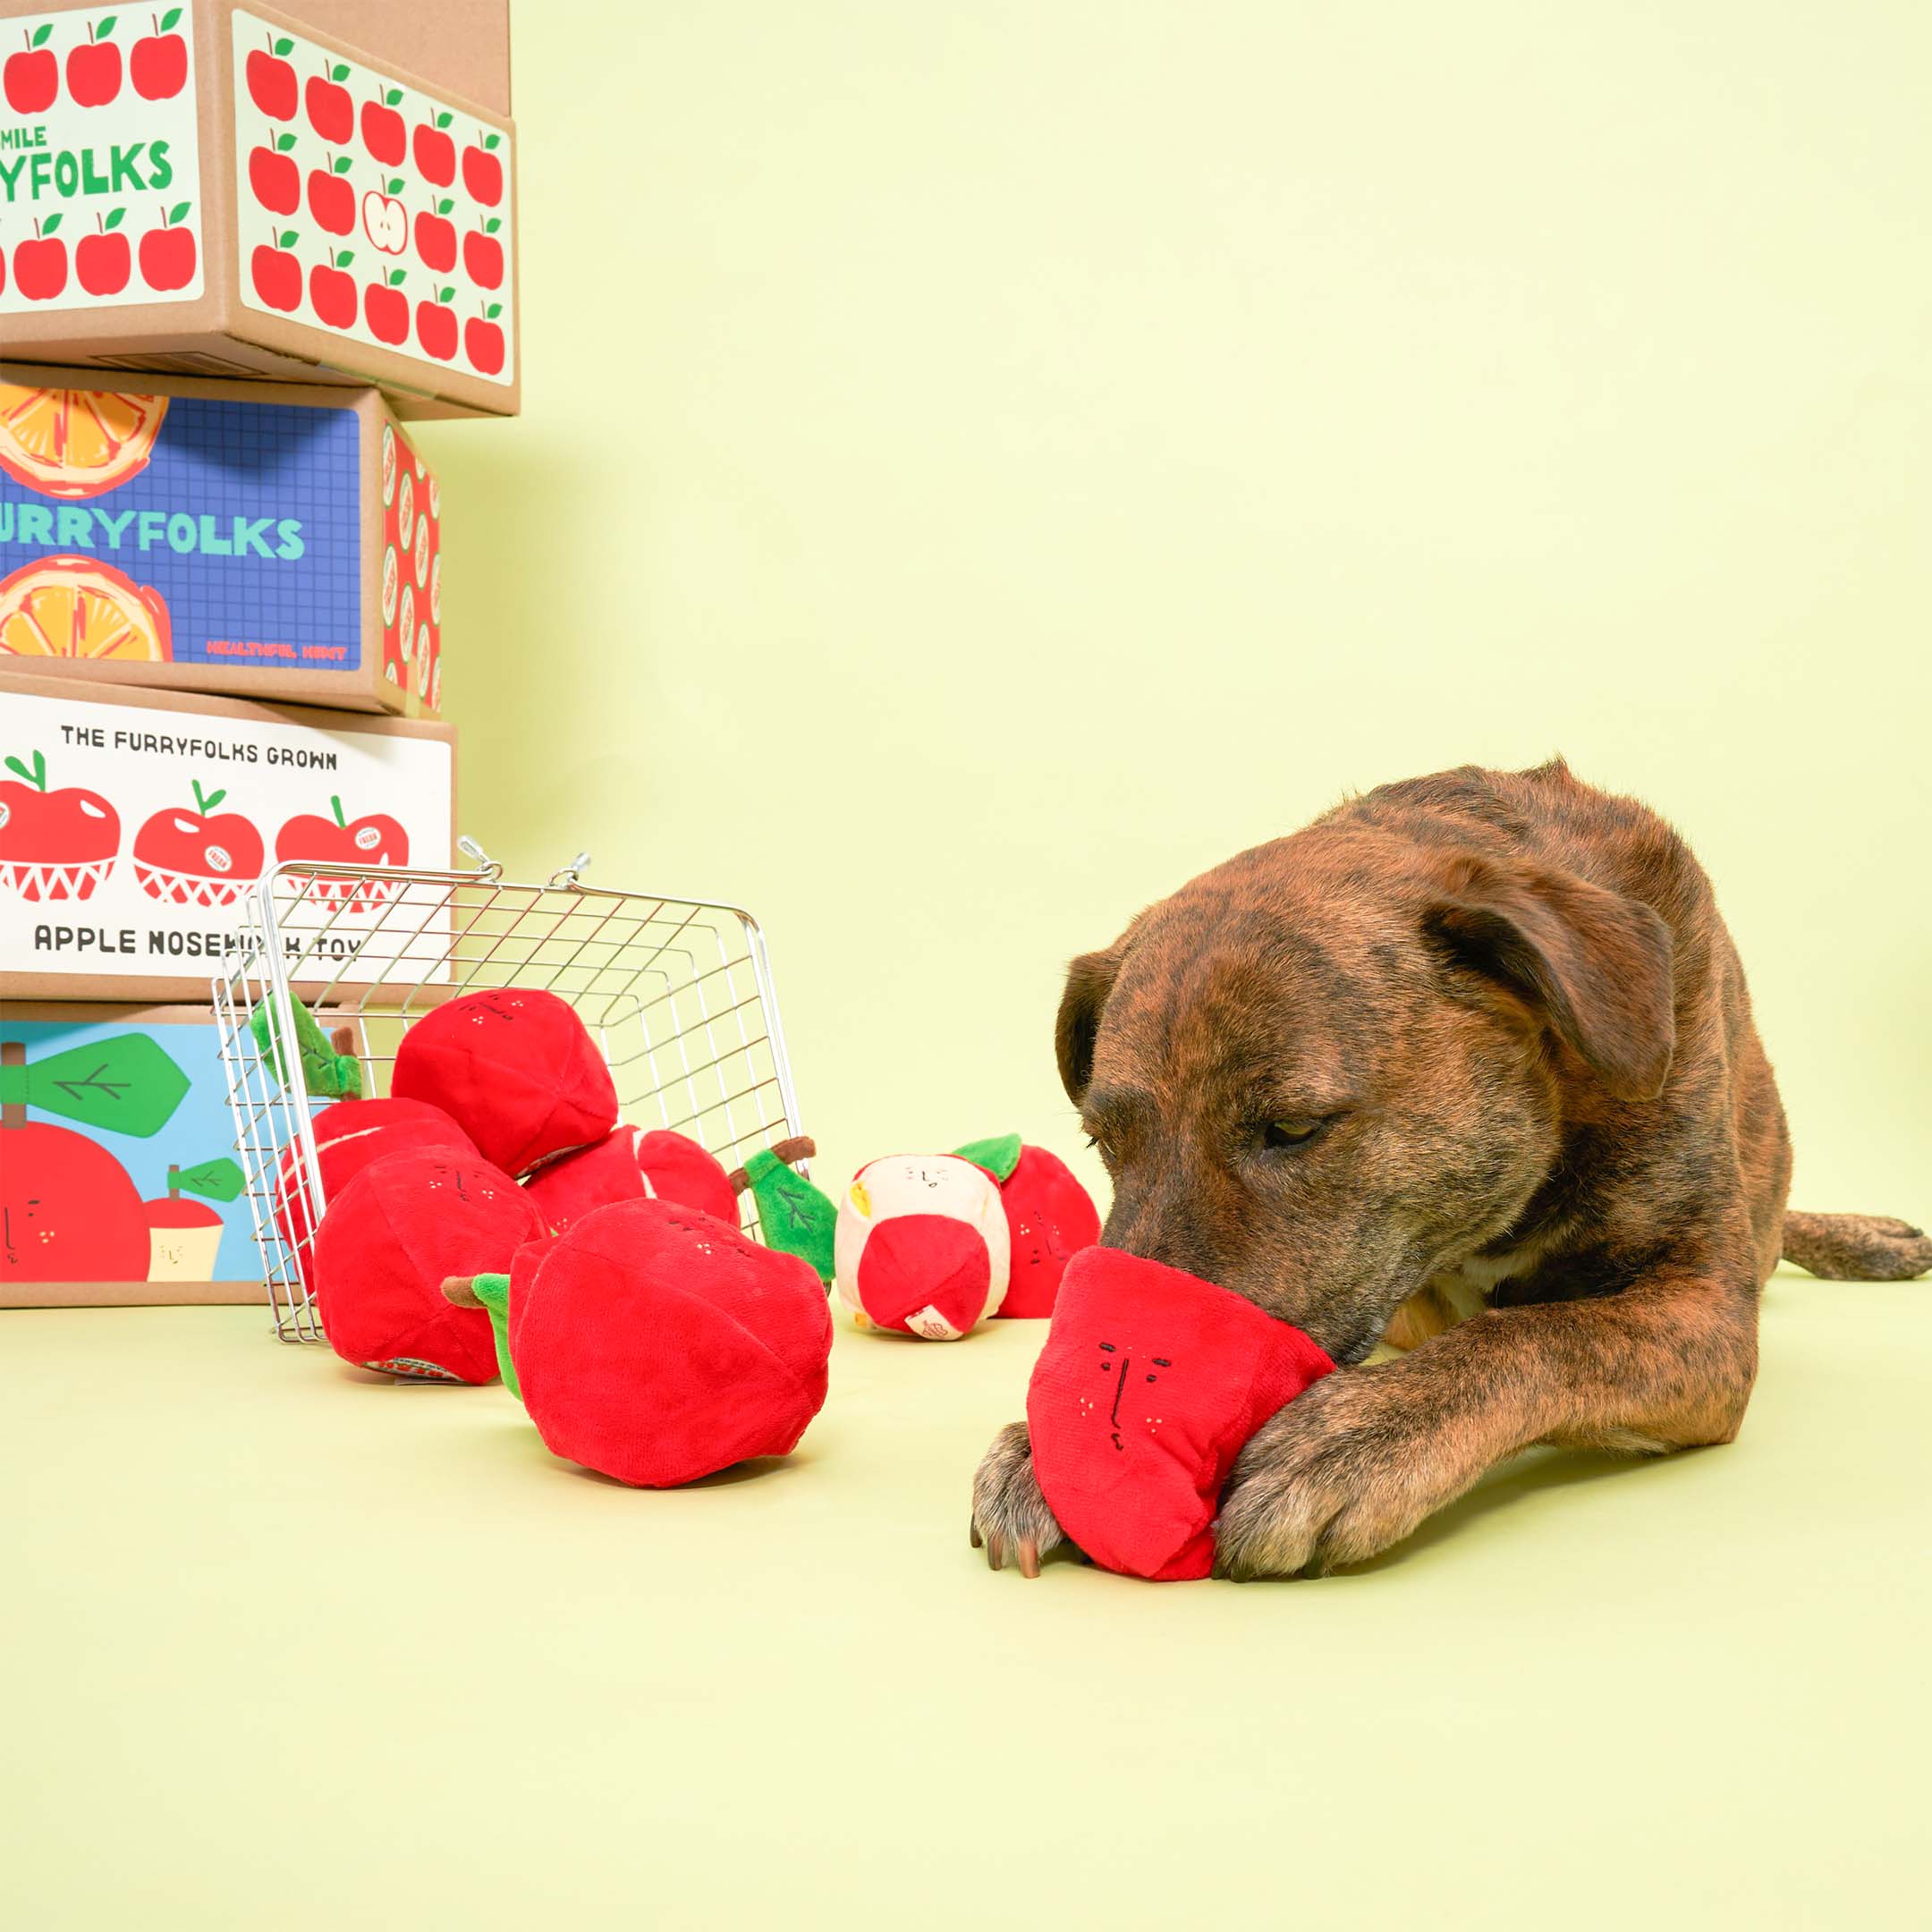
{"points": [[1148, 1385], [657, 1345], [632, 1163], [921, 1245], [513, 1067], [1049, 1218], [390, 1240]]}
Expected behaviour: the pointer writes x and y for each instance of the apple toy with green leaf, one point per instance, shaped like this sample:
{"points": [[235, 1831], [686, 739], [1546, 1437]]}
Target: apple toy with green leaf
{"points": [[273, 177], [276, 273], [482, 172], [331, 112], [40, 264], [94, 69], [382, 132], [54, 844], [483, 340], [158, 63], [102, 261], [331, 200], [332, 294], [31, 78], [385, 307], [184, 858], [184, 1235], [167, 253], [353, 845]]}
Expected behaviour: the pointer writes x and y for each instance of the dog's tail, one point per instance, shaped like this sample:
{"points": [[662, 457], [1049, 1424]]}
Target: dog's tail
{"points": [[1857, 1247]]}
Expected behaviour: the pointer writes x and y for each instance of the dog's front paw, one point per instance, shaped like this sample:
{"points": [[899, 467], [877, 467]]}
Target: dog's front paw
{"points": [[1346, 1469], [1009, 1513]]}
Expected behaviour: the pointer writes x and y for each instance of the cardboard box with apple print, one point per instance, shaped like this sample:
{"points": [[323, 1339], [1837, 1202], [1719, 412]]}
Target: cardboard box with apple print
{"points": [[276, 541], [118, 1176], [219, 188], [135, 824]]}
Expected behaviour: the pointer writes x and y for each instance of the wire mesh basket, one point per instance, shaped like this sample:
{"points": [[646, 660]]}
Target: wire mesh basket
{"points": [[676, 993]]}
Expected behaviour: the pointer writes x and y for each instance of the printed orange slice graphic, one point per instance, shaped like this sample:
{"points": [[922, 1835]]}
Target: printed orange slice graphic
{"points": [[76, 442], [71, 607]]}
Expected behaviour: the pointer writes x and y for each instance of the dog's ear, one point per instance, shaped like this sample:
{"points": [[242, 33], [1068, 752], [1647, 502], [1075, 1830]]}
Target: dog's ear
{"points": [[1591, 965], [1088, 981]]}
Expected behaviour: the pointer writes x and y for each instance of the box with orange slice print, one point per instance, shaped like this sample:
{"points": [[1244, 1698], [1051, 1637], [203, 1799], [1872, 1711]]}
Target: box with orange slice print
{"points": [[281, 543], [211, 188]]}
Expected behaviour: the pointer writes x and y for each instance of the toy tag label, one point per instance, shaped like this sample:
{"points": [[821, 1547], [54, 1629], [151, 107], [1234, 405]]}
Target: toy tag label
{"points": [[930, 1322], [100, 166], [369, 208]]}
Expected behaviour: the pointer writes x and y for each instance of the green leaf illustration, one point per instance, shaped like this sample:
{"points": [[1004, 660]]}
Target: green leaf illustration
{"points": [[287, 239], [214, 1180], [493, 224], [394, 277], [40, 34], [443, 294], [796, 1215], [206, 801], [50, 225], [170, 19], [37, 776], [341, 164], [345, 257], [444, 120], [113, 220], [444, 206], [104, 28], [125, 1085], [282, 48], [392, 98], [178, 213], [340, 71], [394, 187], [493, 311], [998, 1157], [283, 143]]}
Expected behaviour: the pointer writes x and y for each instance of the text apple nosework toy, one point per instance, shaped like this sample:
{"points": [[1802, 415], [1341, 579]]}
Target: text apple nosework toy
{"points": [[1150, 1383]]}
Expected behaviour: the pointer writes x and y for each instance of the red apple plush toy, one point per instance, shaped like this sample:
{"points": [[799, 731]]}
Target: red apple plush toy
{"points": [[921, 1245], [1148, 1385], [657, 1345], [632, 1163], [513, 1067], [348, 1137], [1049, 1218], [390, 1240]]}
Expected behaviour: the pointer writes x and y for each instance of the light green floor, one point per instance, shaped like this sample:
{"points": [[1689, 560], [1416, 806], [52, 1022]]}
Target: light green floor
{"points": [[286, 1649]]}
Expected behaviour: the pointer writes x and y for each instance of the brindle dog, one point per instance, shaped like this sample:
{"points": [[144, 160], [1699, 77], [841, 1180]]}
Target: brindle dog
{"points": [[1468, 1063]]}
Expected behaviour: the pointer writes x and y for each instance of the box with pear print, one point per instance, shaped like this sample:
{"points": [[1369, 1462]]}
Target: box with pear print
{"points": [[219, 188]]}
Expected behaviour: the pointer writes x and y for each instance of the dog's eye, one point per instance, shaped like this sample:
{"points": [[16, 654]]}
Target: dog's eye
{"points": [[1291, 1134]]}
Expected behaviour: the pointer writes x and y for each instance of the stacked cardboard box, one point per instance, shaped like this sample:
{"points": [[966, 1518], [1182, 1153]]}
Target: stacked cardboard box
{"points": [[239, 250]]}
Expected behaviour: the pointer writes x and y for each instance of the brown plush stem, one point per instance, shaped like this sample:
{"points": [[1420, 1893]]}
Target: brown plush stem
{"points": [[460, 1290], [342, 1040], [799, 1146]]}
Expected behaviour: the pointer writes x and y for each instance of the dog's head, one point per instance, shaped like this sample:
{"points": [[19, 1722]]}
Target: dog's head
{"points": [[1345, 1061]]}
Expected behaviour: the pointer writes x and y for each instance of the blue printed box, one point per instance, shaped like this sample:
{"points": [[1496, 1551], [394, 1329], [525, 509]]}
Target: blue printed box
{"points": [[281, 543]]}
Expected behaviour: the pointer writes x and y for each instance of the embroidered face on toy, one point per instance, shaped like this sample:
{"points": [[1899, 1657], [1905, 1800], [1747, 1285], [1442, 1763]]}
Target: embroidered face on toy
{"points": [[1123, 1373]]}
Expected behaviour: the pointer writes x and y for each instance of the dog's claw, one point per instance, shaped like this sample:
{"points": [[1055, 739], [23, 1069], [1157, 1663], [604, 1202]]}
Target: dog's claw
{"points": [[972, 1530], [1029, 1558], [995, 1550]]}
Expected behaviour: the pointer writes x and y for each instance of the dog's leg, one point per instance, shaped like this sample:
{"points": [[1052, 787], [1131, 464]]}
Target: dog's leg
{"points": [[1009, 1514], [1353, 1465]]}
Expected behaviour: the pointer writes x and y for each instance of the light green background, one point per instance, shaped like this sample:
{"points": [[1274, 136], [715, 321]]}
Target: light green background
{"points": [[983, 464]]}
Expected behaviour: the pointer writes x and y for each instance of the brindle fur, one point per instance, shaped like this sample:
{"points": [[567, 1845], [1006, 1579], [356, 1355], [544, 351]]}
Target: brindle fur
{"points": [[1555, 1165]]}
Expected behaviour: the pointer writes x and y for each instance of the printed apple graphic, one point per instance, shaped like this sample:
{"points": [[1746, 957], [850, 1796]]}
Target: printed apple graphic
{"points": [[167, 253], [436, 326], [435, 152], [331, 112], [385, 307], [40, 266], [94, 70], [196, 857], [482, 171], [385, 219], [158, 63], [383, 134], [276, 273], [483, 255], [31, 80], [436, 238], [68, 1211], [54, 844], [374, 839], [102, 261], [332, 294], [331, 199], [272, 176], [483, 340], [185, 1236], [271, 81]]}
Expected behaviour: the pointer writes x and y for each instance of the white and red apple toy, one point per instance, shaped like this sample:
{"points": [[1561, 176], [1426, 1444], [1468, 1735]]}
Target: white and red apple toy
{"points": [[184, 858], [921, 1245], [54, 844], [373, 839]]}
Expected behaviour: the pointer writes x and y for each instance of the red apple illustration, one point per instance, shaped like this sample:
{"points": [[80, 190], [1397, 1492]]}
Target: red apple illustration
{"points": [[384, 220], [40, 266], [331, 199], [273, 177], [32, 79], [435, 152], [101, 261], [94, 70], [54, 844], [482, 171], [68, 1211], [158, 63], [435, 239], [385, 307], [276, 273], [483, 340], [331, 112], [375, 839], [167, 253], [332, 294], [184, 1235], [483, 254], [382, 132], [195, 858], [436, 326], [271, 81]]}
